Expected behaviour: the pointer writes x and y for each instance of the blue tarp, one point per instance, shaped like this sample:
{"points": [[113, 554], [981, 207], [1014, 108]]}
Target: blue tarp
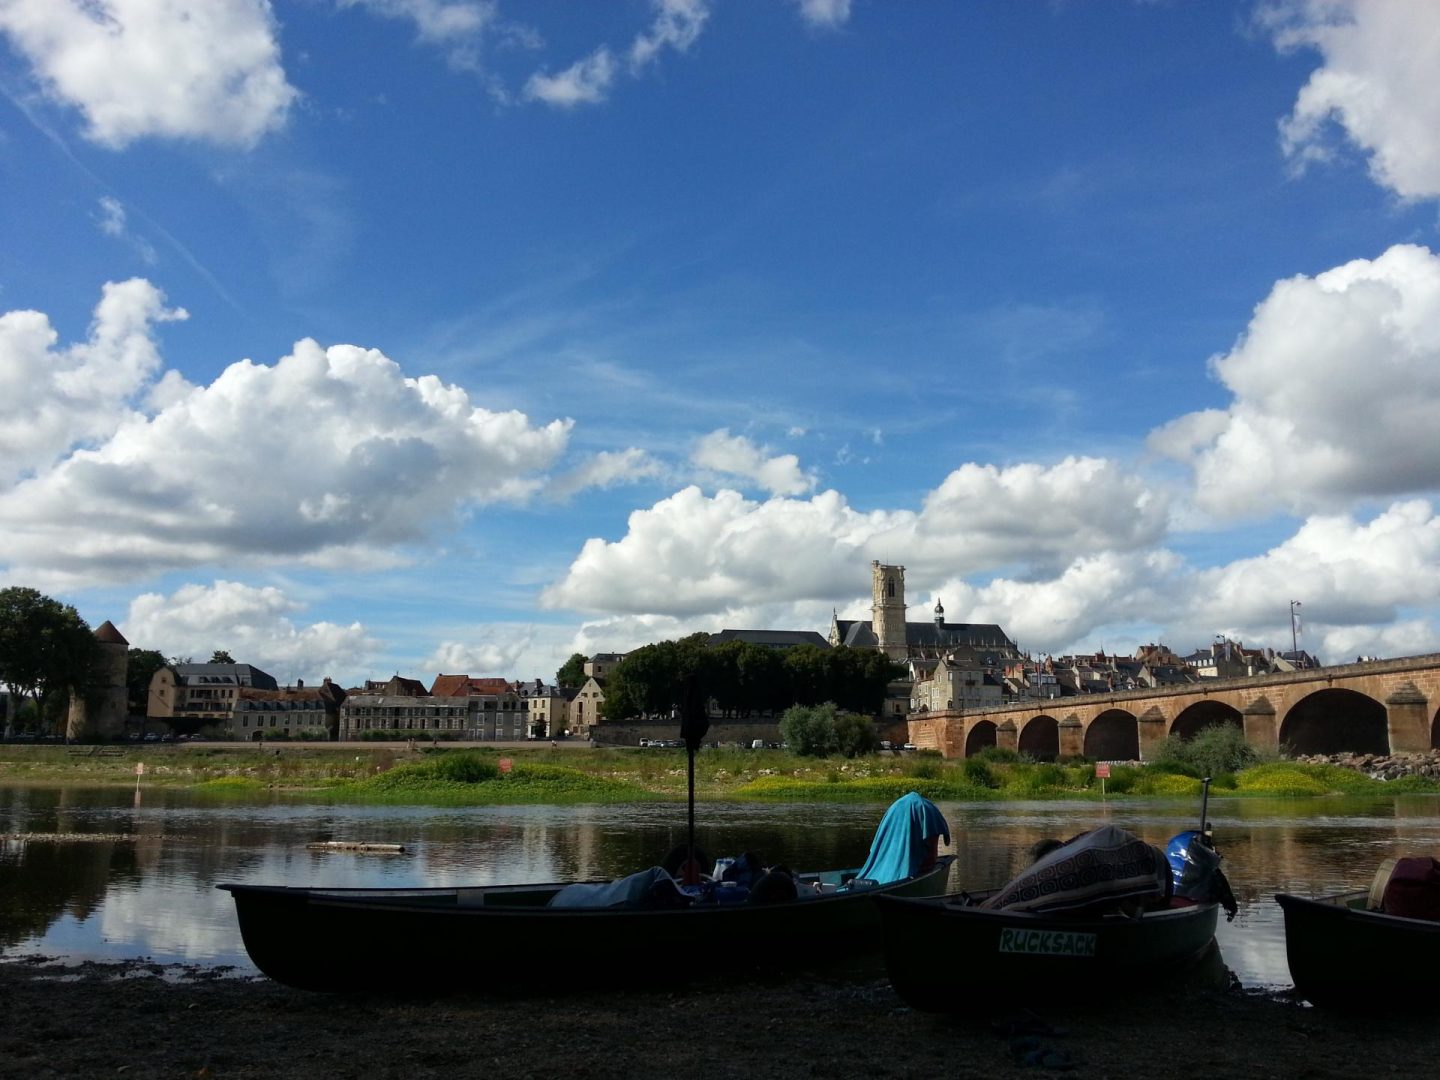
{"points": [[902, 842]]}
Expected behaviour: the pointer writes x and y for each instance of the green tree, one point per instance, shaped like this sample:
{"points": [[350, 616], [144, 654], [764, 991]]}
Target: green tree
{"points": [[572, 672], [809, 730], [807, 668], [855, 734], [46, 649], [220, 656], [653, 678], [140, 667]]}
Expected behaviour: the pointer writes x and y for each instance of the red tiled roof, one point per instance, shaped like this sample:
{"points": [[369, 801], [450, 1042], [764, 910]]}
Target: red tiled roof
{"points": [[465, 686]]}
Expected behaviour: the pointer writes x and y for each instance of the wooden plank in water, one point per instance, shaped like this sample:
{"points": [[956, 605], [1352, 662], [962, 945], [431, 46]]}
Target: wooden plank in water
{"points": [[346, 845]]}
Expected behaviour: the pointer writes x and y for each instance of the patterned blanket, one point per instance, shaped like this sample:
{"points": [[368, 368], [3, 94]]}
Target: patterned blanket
{"points": [[1103, 866]]}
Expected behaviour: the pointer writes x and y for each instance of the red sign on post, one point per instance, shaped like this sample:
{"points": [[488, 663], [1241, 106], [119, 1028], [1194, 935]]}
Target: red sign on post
{"points": [[1102, 770], [505, 764]]}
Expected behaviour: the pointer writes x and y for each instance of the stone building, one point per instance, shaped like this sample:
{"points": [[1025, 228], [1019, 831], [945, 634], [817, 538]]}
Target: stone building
{"points": [[545, 708], [962, 679], [454, 707], [101, 713], [202, 695], [584, 707], [304, 712]]}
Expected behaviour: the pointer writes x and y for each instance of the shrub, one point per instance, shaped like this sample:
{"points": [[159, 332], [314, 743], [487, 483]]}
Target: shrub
{"points": [[463, 768], [1123, 779], [1221, 747], [855, 734], [976, 772], [809, 730], [925, 768], [998, 755]]}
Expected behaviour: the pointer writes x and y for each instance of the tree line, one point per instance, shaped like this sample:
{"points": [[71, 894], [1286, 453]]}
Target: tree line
{"points": [[48, 652], [742, 679]]}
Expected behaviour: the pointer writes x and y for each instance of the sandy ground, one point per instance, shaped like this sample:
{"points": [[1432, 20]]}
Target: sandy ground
{"points": [[142, 1020]]}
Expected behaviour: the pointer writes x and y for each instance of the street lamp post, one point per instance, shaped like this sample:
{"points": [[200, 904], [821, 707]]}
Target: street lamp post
{"points": [[1294, 632]]}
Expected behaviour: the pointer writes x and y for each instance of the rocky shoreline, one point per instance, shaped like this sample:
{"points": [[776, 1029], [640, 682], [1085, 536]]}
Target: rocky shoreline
{"points": [[1385, 767], [142, 1019]]}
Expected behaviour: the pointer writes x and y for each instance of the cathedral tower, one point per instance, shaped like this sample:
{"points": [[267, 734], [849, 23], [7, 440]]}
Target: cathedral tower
{"points": [[887, 610]]}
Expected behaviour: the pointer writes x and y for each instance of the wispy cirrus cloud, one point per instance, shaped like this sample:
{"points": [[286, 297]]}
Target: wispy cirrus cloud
{"points": [[677, 25]]}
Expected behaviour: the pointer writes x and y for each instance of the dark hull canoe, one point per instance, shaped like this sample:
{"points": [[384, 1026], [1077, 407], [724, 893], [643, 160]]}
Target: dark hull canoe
{"points": [[941, 953], [1343, 955], [502, 939]]}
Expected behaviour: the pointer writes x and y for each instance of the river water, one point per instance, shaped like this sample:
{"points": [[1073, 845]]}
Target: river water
{"points": [[152, 894]]}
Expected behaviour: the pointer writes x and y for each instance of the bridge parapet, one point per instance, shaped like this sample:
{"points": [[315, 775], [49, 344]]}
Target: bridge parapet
{"points": [[1407, 689]]}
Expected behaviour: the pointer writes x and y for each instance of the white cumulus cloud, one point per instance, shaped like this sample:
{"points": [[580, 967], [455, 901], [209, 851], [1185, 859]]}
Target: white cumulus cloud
{"points": [[1035, 516], [254, 625], [606, 469], [1336, 385], [185, 69], [737, 456], [329, 456], [1377, 85], [1346, 572], [52, 399], [691, 554]]}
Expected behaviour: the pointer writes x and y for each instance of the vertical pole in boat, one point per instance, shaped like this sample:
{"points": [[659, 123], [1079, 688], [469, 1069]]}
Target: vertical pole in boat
{"points": [[691, 871], [1204, 804], [693, 724]]}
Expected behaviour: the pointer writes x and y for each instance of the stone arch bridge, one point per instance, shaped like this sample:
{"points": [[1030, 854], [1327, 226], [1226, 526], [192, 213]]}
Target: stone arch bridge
{"points": [[1379, 706]]}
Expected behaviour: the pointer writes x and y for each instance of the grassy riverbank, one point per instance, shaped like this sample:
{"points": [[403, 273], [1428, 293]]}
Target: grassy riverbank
{"points": [[582, 774]]}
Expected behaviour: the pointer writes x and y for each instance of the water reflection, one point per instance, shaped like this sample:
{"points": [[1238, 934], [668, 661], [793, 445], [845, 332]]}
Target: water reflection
{"points": [[142, 884]]}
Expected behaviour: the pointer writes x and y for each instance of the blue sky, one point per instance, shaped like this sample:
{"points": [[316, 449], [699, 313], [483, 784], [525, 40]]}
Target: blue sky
{"points": [[364, 336]]}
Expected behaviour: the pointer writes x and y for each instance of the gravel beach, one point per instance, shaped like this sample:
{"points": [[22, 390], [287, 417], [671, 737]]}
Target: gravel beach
{"points": [[136, 1019]]}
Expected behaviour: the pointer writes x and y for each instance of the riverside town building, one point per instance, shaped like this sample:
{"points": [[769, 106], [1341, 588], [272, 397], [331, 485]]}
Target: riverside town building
{"points": [[949, 668]]}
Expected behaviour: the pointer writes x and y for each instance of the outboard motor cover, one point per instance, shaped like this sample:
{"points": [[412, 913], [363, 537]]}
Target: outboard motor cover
{"points": [[1195, 870], [1192, 863]]}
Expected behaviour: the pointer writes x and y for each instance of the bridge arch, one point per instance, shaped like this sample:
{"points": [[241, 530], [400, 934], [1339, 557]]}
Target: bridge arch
{"points": [[981, 736], [1435, 730], [1040, 738], [1204, 714], [1114, 735], [1335, 721]]}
